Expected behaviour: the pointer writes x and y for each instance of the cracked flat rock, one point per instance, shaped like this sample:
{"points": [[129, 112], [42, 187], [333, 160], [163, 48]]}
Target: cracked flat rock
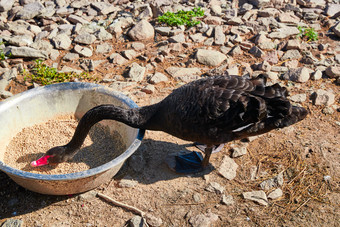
{"points": [[228, 168], [210, 57], [257, 196]]}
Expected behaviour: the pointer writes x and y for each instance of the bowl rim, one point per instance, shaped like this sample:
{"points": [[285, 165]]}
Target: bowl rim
{"points": [[82, 174]]}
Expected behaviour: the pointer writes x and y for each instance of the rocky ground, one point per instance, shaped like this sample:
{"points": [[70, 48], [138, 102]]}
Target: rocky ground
{"points": [[286, 177]]}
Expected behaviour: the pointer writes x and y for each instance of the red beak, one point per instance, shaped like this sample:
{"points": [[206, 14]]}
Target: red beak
{"points": [[41, 161]]}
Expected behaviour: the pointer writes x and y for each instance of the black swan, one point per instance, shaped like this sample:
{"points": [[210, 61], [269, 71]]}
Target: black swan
{"points": [[210, 111]]}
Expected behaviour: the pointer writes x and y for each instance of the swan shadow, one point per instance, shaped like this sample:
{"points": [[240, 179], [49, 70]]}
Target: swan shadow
{"points": [[147, 165]]}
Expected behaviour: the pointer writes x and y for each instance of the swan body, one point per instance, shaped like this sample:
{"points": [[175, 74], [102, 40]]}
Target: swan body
{"points": [[211, 111]]}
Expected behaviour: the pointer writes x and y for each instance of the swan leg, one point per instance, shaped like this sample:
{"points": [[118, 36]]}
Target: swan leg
{"points": [[208, 151], [202, 147]]}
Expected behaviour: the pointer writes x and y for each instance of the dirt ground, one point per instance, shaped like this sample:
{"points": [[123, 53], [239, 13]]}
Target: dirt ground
{"points": [[305, 153]]}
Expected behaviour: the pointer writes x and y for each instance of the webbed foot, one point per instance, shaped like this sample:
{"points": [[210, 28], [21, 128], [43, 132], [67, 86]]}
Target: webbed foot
{"points": [[185, 163]]}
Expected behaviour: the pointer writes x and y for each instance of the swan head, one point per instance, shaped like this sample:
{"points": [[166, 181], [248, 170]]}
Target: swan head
{"points": [[54, 155]]}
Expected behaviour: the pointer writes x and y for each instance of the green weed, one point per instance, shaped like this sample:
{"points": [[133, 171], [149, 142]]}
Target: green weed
{"points": [[3, 56], [310, 33], [43, 74], [182, 17]]}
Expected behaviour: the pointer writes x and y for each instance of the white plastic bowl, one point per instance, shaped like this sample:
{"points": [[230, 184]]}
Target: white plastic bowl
{"points": [[41, 104]]}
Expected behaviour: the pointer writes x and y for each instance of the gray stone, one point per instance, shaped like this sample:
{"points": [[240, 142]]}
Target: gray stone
{"points": [[213, 20], [42, 45], [300, 75], [163, 30], [6, 76], [284, 32], [196, 38], [86, 39], [143, 30], [235, 51], [184, 74], [71, 57], [146, 13], [267, 45], [118, 59], [74, 19], [127, 183], [216, 9], [238, 151], [157, 78], [215, 187], [227, 200], [293, 44], [136, 221], [6, 5], [138, 46], [203, 220], [277, 193], [148, 89], [103, 35], [299, 98], [104, 8], [54, 54], [87, 196], [273, 182], [83, 51], [264, 66], [210, 57], [136, 72], [268, 12], [129, 54], [257, 52], [62, 41], [228, 168], [280, 69], [180, 38], [20, 40], [333, 10], [308, 58], [30, 10], [12, 223], [257, 196], [26, 52], [317, 75], [103, 48], [333, 71], [259, 3], [5, 94], [312, 3], [64, 11], [288, 17], [322, 97], [219, 35], [230, 13], [291, 54]]}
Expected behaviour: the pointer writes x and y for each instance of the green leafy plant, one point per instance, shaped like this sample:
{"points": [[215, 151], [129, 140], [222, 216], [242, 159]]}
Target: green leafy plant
{"points": [[3, 56], [182, 17], [43, 74], [310, 33]]}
